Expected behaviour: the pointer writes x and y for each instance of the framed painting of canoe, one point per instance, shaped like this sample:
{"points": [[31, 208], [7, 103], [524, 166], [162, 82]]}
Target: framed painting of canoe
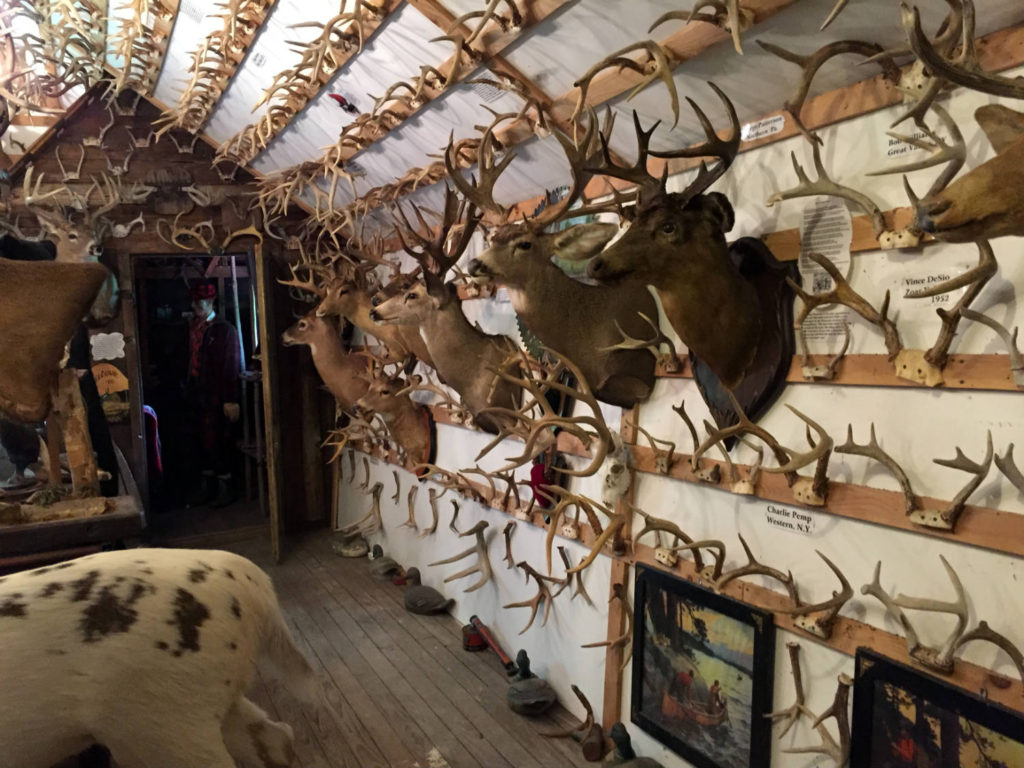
{"points": [[903, 718], [703, 666]]}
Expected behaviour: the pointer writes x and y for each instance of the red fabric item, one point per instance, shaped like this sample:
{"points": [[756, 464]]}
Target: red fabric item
{"points": [[539, 475], [196, 329], [203, 291]]}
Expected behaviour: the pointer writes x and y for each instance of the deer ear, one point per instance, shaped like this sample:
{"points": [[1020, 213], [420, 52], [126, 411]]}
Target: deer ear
{"points": [[1002, 126], [718, 205], [584, 240]]}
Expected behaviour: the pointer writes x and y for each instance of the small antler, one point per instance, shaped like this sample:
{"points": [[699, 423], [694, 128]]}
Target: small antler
{"points": [[543, 595], [483, 564], [411, 502], [624, 640], [874, 451], [1016, 358], [1009, 468], [371, 522], [945, 519], [753, 567], [817, 618]]}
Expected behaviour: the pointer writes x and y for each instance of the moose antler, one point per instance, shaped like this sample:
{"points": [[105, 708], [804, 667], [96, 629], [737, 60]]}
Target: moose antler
{"points": [[483, 564], [624, 640]]}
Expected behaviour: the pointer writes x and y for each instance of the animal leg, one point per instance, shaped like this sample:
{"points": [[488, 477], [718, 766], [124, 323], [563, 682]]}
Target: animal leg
{"points": [[254, 739]]}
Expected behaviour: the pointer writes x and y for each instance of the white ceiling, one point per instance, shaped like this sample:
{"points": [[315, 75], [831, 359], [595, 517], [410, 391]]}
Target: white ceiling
{"points": [[553, 54]]}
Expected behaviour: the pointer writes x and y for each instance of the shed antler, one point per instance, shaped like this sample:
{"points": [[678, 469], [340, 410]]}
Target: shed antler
{"points": [[543, 595], [728, 16], [483, 564], [1016, 359], [371, 522], [624, 640], [818, 618], [945, 519], [655, 65], [874, 451]]}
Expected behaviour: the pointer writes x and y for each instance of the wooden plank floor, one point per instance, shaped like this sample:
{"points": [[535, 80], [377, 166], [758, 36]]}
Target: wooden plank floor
{"points": [[406, 693]]}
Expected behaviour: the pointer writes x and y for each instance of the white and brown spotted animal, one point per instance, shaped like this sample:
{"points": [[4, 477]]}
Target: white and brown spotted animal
{"points": [[148, 652]]}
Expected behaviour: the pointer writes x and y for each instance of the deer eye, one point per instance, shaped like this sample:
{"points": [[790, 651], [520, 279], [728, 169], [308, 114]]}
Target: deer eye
{"points": [[410, 296], [385, 391], [668, 228], [524, 245], [302, 325], [375, 301]]}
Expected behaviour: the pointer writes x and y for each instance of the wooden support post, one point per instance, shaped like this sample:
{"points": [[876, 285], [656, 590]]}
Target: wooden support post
{"points": [[69, 410]]}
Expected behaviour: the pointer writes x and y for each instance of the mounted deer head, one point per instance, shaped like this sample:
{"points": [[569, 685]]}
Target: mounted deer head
{"points": [[342, 372], [520, 258], [730, 306], [409, 423]]}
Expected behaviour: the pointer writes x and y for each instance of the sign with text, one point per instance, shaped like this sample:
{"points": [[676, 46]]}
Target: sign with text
{"points": [[794, 520]]}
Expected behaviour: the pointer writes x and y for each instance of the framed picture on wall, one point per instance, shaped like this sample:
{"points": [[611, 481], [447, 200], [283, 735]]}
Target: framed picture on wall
{"points": [[903, 718], [703, 668]]}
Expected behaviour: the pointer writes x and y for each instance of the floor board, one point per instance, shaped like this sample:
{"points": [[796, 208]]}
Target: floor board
{"points": [[405, 692]]}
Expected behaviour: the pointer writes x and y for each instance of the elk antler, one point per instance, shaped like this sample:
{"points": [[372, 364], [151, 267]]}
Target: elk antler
{"points": [[483, 564], [625, 640]]}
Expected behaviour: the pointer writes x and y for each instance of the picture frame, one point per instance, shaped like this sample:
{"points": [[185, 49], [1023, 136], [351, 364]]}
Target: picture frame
{"points": [[898, 712], [703, 672]]}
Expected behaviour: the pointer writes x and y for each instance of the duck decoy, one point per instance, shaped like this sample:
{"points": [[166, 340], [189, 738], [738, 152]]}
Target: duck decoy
{"points": [[349, 545], [381, 566], [528, 694], [422, 599], [623, 754]]}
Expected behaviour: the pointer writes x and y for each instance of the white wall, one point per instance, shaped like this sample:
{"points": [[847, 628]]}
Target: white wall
{"points": [[914, 424]]}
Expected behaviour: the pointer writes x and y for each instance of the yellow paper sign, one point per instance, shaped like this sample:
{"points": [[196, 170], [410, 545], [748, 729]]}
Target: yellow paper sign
{"points": [[109, 379]]}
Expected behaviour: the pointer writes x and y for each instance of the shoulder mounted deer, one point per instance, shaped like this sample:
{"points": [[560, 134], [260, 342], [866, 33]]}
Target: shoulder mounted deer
{"points": [[730, 305]]}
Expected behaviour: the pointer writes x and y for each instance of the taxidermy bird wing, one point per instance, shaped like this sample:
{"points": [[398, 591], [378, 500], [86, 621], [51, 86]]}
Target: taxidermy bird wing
{"points": [[766, 375], [1002, 126]]}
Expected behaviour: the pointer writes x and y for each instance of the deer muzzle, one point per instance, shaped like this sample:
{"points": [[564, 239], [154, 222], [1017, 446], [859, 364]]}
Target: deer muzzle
{"points": [[478, 270]]}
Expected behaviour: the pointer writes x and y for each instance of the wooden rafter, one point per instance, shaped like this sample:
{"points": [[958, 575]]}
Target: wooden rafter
{"points": [[214, 64], [486, 47], [684, 44], [299, 91]]}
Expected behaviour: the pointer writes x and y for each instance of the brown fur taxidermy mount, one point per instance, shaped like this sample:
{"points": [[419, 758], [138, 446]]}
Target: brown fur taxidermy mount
{"points": [[342, 372], [410, 424], [42, 304], [987, 201], [730, 305]]}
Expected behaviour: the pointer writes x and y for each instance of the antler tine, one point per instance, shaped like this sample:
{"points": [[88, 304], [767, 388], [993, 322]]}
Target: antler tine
{"points": [[954, 154], [891, 608], [818, 450], [724, 149], [580, 588], [658, 525], [824, 185], [483, 564], [874, 451], [625, 639], [1009, 468], [657, 65], [581, 731], [636, 173], [1016, 358], [941, 658], [728, 16], [753, 567], [578, 155], [818, 618], [309, 284], [945, 519], [543, 595], [811, 63], [839, 709], [792, 713], [966, 71], [986, 634], [743, 426], [843, 294], [481, 193]]}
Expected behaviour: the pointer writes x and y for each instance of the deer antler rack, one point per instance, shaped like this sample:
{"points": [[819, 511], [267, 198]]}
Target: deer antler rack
{"points": [[945, 519], [514, 23], [588, 733], [755, 568], [483, 564], [366, 474], [728, 16], [825, 372], [662, 460], [1016, 359], [954, 153], [842, 293], [624, 640], [712, 474], [667, 555], [70, 175], [577, 577], [433, 497], [669, 361], [811, 63], [939, 659], [507, 533], [543, 595], [818, 618], [655, 65], [874, 451], [371, 522]]}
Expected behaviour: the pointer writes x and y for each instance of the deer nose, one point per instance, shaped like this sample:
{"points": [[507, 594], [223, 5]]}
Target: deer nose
{"points": [[596, 267], [476, 268], [375, 315]]}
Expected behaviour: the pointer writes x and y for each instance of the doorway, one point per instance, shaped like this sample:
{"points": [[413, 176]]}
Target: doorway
{"points": [[205, 473]]}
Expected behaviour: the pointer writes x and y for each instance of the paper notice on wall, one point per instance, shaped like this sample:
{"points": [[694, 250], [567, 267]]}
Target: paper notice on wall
{"points": [[763, 128], [921, 279], [800, 521], [826, 228], [896, 147]]}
